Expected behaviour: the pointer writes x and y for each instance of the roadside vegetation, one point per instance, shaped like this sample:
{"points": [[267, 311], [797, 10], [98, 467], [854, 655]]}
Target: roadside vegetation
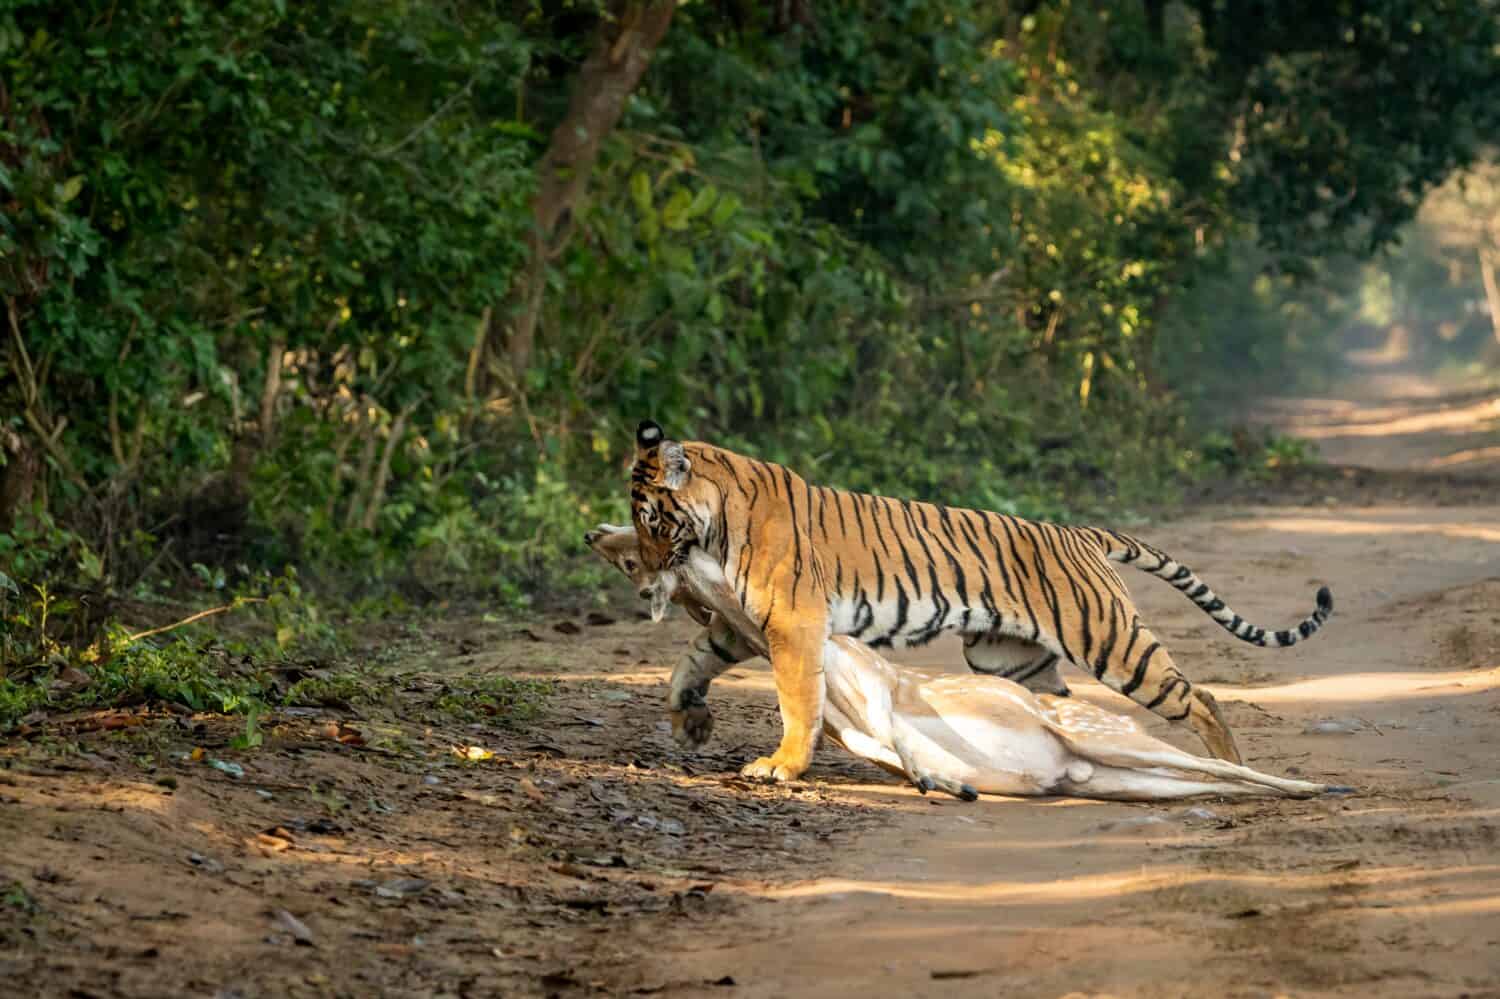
{"points": [[320, 317]]}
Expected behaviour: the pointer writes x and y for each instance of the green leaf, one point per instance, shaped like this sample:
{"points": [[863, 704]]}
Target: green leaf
{"points": [[725, 209], [640, 191], [70, 189], [703, 201], [674, 215]]}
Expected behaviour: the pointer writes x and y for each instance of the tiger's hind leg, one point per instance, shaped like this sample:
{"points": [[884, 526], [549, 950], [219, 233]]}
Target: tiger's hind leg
{"points": [[1016, 659], [1141, 668]]}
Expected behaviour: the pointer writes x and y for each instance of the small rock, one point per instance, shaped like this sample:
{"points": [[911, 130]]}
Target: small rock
{"points": [[1140, 823], [402, 887], [203, 863], [1334, 726], [297, 928], [430, 780], [232, 769], [1196, 814]]}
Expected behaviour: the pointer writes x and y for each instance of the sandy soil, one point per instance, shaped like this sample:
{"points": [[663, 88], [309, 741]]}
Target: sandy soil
{"points": [[359, 855]]}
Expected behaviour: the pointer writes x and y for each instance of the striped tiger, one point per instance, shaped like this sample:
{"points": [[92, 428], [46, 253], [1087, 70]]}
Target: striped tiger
{"points": [[809, 561]]}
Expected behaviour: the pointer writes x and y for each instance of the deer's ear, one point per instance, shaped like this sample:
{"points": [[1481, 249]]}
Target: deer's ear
{"points": [[607, 538]]}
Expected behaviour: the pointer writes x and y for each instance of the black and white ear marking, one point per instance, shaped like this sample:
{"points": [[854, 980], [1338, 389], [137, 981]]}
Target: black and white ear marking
{"points": [[675, 466], [648, 434]]}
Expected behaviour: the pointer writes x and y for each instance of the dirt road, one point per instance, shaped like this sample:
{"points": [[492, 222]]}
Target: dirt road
{"points": [[397, 846], [1394, 892]]}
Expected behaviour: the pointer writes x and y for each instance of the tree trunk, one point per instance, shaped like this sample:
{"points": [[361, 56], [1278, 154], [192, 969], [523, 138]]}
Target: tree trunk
{"points": [[1487, 265], [18, 476], [625, 41], [1156, 20]]}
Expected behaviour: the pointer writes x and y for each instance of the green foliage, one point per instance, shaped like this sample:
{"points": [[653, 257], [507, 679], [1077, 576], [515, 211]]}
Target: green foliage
{"points": [[182, 672], [496, 698]]}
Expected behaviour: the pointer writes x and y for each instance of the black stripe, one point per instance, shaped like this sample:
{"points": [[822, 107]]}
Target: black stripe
{"points": [[786, 476], [1107, 648], [986, 593], [1139, 675], [1019, 596], [1046, 662], [1176, 681]]}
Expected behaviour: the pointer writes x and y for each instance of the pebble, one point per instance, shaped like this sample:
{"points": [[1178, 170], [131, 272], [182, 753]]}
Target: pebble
{"points": [[1334, 726]]}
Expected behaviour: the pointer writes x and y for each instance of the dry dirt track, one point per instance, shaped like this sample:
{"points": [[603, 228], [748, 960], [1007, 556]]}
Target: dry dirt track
{"points": [[357, 855], [1394, 892]]}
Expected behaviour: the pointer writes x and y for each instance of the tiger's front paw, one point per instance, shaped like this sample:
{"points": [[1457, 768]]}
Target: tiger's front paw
{"points": [[692, 726], [768, 769]]}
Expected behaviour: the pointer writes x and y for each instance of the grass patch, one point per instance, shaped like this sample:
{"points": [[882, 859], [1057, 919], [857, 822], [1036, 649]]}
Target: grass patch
{"points": [[493, 698], [201, 678]]}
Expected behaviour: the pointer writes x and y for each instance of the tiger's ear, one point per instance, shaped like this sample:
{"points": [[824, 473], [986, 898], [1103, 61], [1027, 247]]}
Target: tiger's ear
{"points": [[675, 466], [672, 466], [648, 437]]}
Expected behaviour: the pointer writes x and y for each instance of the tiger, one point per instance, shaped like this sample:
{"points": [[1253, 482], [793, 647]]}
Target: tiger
{"points": [[961, 735], [807, 562]]}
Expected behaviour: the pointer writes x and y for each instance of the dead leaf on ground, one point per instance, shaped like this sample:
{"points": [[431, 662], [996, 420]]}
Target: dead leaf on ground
{"points": [[532, 791], [474, 754], [344, 733], [566, 628], [276, 839]]}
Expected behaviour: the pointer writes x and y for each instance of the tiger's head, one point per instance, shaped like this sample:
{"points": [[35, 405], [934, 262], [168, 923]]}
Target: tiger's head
{"points": [[671, 507]]}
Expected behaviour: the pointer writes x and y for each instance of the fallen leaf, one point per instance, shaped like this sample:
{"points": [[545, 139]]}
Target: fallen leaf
{"points": [[474, 754], [275, 839], [344, 733], [532, 791], [297, 928], [197, 754], [566, 628]]}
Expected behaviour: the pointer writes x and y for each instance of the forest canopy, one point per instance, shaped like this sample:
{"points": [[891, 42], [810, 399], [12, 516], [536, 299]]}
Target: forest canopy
{"points": [[378, 289]]}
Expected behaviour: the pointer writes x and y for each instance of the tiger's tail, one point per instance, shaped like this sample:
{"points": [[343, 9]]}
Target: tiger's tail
{"points": [[1132, 551]]}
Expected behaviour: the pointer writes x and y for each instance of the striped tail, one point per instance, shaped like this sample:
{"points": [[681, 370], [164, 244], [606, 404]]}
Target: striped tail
{"points": [[1132, 551]]}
